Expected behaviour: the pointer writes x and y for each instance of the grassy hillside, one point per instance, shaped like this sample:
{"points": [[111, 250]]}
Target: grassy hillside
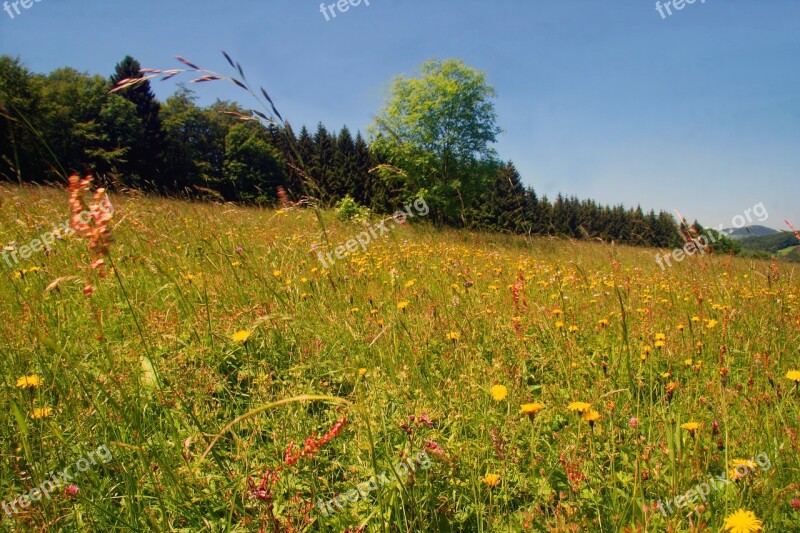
{"points": [[436, 373], [770, 243]]}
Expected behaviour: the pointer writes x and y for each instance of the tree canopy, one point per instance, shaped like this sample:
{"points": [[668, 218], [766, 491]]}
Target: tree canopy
{"points": [[439, 128]]}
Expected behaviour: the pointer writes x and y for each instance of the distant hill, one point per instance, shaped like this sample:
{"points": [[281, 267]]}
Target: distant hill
{"points": [[770, 243], [749, 231]]}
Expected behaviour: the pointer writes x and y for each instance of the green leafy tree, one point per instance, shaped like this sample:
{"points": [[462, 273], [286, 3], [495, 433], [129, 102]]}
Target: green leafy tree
{"points": [[253, 170], [22, 156], [70, 123], [438, 129], [121, 128]]}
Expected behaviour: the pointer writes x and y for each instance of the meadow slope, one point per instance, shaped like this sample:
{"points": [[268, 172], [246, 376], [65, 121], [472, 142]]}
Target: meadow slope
{"points": [[421, 352]]}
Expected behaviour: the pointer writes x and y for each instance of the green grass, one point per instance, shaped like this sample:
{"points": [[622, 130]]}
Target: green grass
{"points": [[148, 367]]}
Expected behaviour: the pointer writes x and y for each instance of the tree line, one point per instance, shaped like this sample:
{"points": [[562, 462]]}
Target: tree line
{"points": [[68, 121]]}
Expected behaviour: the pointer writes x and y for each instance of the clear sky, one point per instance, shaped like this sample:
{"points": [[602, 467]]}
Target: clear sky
{"points": [[697, 111]]}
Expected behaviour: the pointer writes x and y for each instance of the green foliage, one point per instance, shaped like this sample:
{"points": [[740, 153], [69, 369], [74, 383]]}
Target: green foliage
{"points": [[720, 243], [252, 167], [432, 141], [438, 129], [770, 243], [147, 153], [347, 209]]}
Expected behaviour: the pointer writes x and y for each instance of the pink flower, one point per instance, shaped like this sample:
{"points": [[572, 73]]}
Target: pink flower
{"points": [[633, 422], [71, 491]]}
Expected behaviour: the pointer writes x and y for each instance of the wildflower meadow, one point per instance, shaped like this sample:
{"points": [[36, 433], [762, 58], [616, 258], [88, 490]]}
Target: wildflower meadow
{"points": [[554, 385]]}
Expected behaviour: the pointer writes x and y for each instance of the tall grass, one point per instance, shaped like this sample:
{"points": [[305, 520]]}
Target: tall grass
{"points": [[421, 325]]}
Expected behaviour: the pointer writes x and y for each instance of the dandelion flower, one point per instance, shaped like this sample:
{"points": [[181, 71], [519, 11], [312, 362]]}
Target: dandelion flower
{"points": [[591, 416], [740, 468], [742, 522], [276, 273], [453, 336], [491, 480], [579, 407], [793, 375], [711, 324], [691, 427], [402, 305], [362, 372], [498, 392], [41, 412], [531, 409], [240, 336], [29, 382]]}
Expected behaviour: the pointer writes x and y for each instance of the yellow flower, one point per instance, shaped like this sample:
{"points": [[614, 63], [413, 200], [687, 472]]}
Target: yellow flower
{"points": [[742, 522], [665, 375], [492, 480], [557, 312], [793, 375], [410, 283], [688, 362], [240, 336], [531, 409], [559, 324], [591, 416], [276, 273], [362, 372], [453, 336], [29, 382], [736, 473], [498, 392], [580, 407], [573, 329], [691, 427], [659, 344], [402, 305], [681, 327], [603, 323], [711, 324], [661, 337], [41, 412]]}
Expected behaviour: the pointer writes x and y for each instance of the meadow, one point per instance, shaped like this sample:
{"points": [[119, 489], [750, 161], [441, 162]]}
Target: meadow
{"points": [[552, 384]]}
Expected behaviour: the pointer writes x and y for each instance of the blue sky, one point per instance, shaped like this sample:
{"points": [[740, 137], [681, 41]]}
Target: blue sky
{"points": [[698, 112]]}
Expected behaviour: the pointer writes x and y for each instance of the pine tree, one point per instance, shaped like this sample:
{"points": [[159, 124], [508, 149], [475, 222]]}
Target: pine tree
{"points": [[145, 156]]}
